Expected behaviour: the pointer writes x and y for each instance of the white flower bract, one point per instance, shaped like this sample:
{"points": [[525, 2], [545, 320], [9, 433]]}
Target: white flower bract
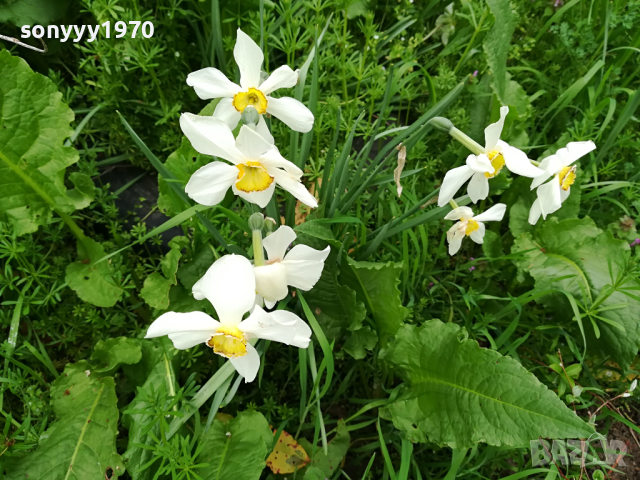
{"points": [[300, 268], [480, 168], [552, 194], [470, 225], [257, 165], [212, 83], [229, 285]]}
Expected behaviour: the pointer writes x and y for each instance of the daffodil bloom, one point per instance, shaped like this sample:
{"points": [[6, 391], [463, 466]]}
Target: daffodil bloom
{"points": [[212, 83], [257, 165], [559, 166], [230, 285], [300, 268], [485, 165], [470, 225]]}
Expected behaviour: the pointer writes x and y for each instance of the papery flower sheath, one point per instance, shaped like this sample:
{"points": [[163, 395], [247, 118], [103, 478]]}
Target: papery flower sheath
{"points": [[552, 194], [212, 83], [229, 285], [257, 165], [300, 268], [482, 167], [470, 225]]}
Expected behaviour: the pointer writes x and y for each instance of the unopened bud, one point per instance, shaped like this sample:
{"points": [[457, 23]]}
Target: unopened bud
{"points": [[269, 225], [250, 115], [256, 222], [441, 123]]}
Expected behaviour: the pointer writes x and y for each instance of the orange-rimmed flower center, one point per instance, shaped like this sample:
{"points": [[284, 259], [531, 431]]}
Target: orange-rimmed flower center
{"points": [[567, 177], [497, 162], [228, 342], [253, 97], [253, 177]]}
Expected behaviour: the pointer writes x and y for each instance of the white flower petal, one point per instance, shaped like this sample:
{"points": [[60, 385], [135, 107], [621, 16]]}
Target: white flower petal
{"points": [[291, 112], [184, 329], [249, 58], [478, 188], [289, 183], [259, 198], [564, 194], [270, 326], [211, 83], [535, 212], [549, 196], [184, 340], [230, 286], [209, 184], [575, 150], [269, 304], [282, 77], [277, 243], [226, 112], [480, 163], [478, 235], [452, 182], [272, 159], [518, 162], [460, 213], [271, 281], [495, 213], [492, 132], [304, 266], [251, 143], [263, 130], [248, 365], [455, 242], [210, 136]]}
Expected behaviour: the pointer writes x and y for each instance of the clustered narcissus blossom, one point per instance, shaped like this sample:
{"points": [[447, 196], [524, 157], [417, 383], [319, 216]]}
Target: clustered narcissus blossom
{"points": [[559, 166], [230, 286], [212, 83], [482, 167], [469, 225]]}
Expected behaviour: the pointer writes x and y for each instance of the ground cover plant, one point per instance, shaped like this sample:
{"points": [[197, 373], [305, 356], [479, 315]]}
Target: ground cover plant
{"points": [[321, 240]]}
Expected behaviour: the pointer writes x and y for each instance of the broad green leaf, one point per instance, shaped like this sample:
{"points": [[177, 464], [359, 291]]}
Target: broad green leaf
{"points": [[236, 449], [459, 394], [181, 300], [376, 285], [190, 273], [327, 463], [110, 354], [576, 256], [156, 372], [334, 305], [360, 341], [93, 283], [32, 12], [492, 246], [81, 443], [155, 290], [317, 229], [497, 42], [33, 159]]}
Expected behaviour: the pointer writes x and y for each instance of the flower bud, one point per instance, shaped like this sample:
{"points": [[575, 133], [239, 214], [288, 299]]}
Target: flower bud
{"points": [[441, 123], [250, 115], [256, 222], [269, 225]]}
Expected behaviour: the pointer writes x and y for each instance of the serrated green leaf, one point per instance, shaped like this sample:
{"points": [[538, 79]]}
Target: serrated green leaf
{"points": [[576, 256], [459, 394], [155, 290], [81, 444], [190, 273], [497, 42], [92, 283], [360, 341], [112, 353], [236, 449], [492, 246], [33, 159]]}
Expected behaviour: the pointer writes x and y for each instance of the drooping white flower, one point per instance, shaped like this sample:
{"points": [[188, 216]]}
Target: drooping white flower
{"points": [[470, 225], [552, 194], [482, 167], [300, 268], [212, 83], [257, 165], [229, 285]]}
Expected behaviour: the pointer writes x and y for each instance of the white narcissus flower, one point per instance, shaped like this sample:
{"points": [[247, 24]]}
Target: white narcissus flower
{"points": [[257, 165], [470, 225], [552, 194], [300, 268], [212, 83], [480, 168], [229, 285]]}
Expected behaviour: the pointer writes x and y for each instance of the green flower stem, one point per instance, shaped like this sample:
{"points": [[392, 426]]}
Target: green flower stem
{"points": [[453, 204], [258, 252], [467, 141]]}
